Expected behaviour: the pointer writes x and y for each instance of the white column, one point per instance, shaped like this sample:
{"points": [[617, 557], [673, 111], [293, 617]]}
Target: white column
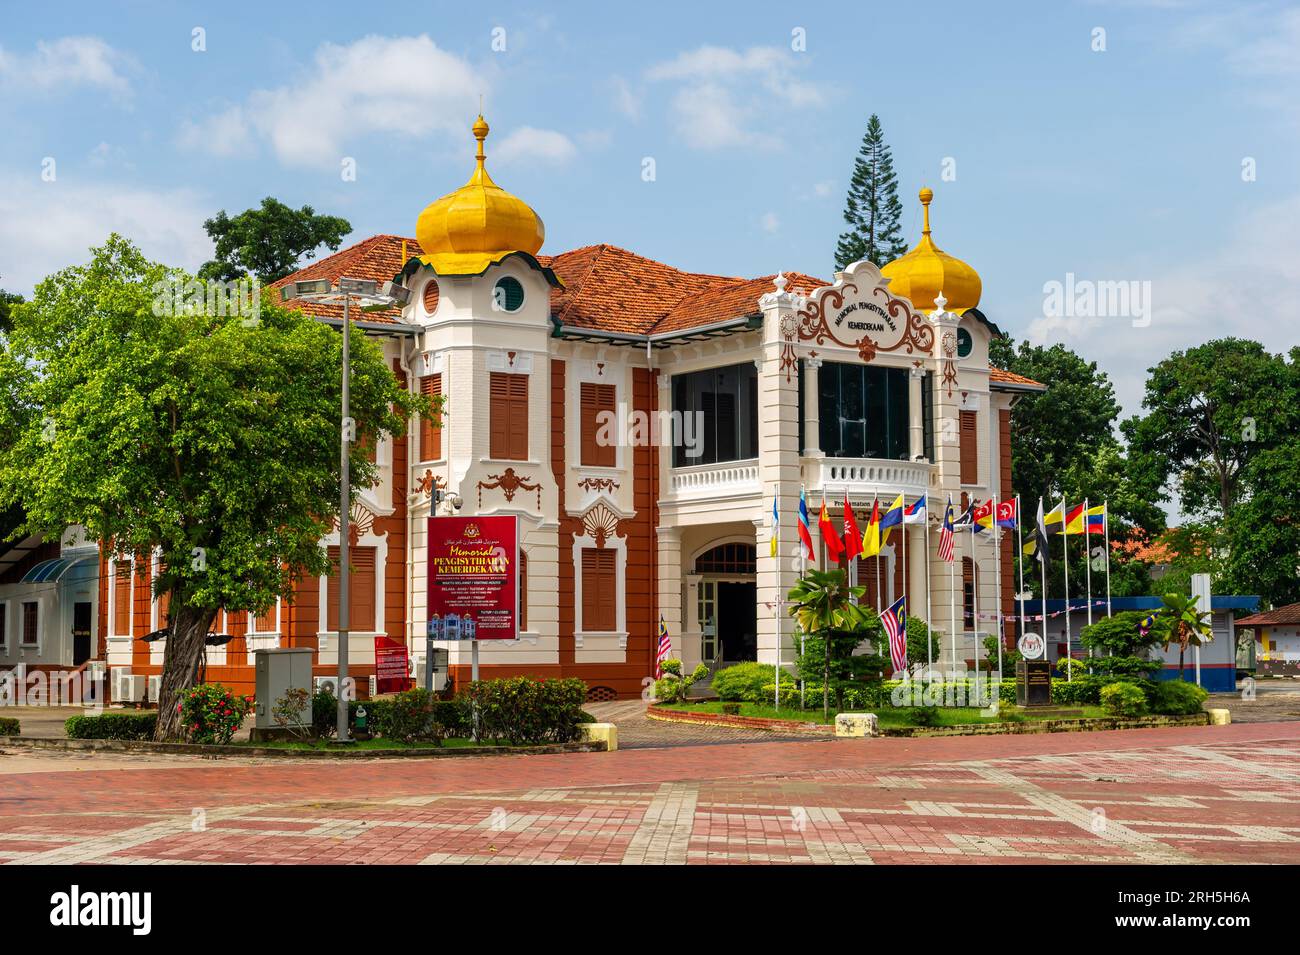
{"points": [[946, 587], [915, 420], [669, 541], [811, 411], [778, 471]]}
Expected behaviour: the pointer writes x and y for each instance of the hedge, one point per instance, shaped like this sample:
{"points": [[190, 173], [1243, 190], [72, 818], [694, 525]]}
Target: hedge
{"points": [[134, 726], [745, 682], [524, 710], [8, 726]]}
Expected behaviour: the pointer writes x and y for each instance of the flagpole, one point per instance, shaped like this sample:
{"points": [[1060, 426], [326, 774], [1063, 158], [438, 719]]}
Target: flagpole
{"points": [[952, 612], [997, 573], [1065, 547], [1087, 563], [974, 599], [929, 616], [1020, 562], [905, 573], [1106, 529], [1042, 564]]}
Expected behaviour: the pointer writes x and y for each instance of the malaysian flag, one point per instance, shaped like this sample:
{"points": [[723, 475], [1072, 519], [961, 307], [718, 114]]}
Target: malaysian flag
{"points": [[665, 648], [945, 534], [894, 621]]}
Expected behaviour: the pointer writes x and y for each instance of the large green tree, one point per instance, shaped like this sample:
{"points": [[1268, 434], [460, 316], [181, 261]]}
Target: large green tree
{"points": [[210, 440], [7, 302], [1207, 412], [872, 209], [269, 241]]}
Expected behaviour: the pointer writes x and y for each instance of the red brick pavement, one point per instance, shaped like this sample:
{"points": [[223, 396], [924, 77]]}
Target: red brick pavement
{"points": [[1165, 795]]}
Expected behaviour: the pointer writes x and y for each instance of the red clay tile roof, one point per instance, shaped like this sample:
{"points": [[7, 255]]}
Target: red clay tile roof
{"points": [[605, 288], [378, 257], [1004, 377], [1282, 616]]}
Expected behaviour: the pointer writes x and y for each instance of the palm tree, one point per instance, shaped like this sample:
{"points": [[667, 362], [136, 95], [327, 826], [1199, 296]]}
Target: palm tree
{"points": [[1180, 622], [823, 602]]}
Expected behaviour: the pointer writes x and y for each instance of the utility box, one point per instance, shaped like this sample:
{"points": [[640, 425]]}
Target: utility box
{"points": [[431, 668], [278, 671]]}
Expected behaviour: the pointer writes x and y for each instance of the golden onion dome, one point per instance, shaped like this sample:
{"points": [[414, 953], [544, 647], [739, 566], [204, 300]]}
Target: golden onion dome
{"points": [[927, 270], [477, 225]]}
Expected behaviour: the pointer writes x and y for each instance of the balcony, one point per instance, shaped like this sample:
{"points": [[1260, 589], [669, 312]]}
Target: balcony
{"points": [[865, 477], [724, 479]]}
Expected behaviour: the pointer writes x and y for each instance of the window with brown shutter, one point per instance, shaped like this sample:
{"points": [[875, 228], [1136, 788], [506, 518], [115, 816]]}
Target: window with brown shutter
{"points": [[970, 470], [164, 602], [430, 429], [266, 622], [508, 417], [595, 400], [29, 618], [523, 591], [3, 621], [969, 578], [599, 590], [122, 598], [361, 590]]}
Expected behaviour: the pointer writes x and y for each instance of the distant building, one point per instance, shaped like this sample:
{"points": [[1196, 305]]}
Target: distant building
{"points": [[1277, 640], [1218, 658]]}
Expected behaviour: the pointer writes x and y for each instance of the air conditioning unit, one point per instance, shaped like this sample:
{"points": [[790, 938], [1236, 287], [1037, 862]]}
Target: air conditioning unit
{"points": [[127, 687], [155, 689], [95, 670], [328, 684]]}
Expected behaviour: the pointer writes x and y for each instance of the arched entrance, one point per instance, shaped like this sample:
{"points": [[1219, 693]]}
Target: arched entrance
{"points": [[728, 603]]}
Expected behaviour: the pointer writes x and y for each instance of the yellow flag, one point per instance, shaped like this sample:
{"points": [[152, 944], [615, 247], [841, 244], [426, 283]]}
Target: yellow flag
{"points": [[871, 539]]}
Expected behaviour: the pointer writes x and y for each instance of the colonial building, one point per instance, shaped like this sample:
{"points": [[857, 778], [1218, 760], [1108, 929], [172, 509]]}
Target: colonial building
{"points": [[640, 420]]}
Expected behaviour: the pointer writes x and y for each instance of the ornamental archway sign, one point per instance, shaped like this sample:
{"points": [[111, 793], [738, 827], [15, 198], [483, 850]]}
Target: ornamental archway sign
{"points": [[859, 313]]}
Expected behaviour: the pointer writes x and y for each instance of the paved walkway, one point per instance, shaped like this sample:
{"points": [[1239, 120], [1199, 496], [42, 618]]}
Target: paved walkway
{"points": [[1201, 794]]}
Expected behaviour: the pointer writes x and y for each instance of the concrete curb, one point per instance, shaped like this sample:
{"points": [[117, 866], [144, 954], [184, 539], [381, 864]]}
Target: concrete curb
{"points": [[1091, 724], [206, 751]]}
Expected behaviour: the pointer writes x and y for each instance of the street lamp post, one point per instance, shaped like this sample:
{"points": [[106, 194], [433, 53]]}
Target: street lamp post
{"points": [[368, 291]]}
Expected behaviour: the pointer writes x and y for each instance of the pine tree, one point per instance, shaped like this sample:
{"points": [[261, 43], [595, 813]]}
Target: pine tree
{"points": [[872, 209]]}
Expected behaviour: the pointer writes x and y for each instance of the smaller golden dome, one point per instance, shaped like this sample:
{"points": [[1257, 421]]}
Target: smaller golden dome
{"points": [[477, 225], [926, 271]]}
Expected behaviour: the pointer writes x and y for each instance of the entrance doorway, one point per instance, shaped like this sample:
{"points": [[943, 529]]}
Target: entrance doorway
{"points": [[81, 613], [738, 620]]}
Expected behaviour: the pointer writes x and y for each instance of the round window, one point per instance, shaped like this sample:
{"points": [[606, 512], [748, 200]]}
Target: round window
{"points": [[964, 343], [508, 295], [431, 297]]}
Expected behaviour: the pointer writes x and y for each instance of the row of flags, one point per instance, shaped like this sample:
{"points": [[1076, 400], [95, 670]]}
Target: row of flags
{"points": [[851, 542]]}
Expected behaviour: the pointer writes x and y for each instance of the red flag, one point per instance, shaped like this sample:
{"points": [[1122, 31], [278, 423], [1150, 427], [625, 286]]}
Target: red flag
{"points": [[834, 546], [852, 536]]}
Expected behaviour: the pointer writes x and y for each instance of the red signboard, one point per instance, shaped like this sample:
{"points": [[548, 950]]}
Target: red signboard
{"points": [[392, 672], [473, 578]]}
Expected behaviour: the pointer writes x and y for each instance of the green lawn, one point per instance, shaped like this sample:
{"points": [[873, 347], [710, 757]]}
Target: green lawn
{"points": [[890, 716]]}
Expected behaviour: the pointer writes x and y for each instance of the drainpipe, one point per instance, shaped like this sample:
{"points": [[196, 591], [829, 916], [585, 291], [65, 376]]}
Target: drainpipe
{"points": [[404, 362]]}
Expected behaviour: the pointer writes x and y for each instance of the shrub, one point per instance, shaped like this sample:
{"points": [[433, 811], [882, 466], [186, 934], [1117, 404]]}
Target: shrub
{"points": [[8, 726], [745, 682], [1123, 699], [211, 713], [1176, 698], [112, 726], [672, 687], [525, 710], [731, 709], [924, 716], [288, 710], [452, 717], [324, 714], [408, 717]]}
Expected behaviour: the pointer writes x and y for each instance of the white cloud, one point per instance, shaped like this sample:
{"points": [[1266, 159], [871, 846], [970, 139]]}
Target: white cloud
{"points": [[70, 62], [626, 101], [724, 97], [1244, 288], [375, 86], [50, 225], [530, 145]]}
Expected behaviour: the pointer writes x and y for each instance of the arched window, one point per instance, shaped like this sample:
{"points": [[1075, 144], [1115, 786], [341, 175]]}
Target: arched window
{"points": [[728, 559]]}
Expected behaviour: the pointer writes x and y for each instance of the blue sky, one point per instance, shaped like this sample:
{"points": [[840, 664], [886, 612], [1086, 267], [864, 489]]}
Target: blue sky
{"points": [[1116, 164]]}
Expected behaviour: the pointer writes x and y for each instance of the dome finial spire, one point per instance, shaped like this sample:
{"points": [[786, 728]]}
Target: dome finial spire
{"points": [[926, 195], [480, 130]]}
